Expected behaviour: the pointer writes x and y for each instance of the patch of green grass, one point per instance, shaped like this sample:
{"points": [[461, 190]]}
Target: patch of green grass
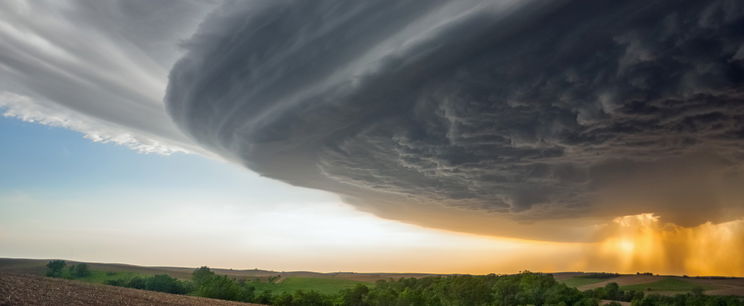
{"points": [[99, 277], [667, 284], [581, 281], [322, 285]]}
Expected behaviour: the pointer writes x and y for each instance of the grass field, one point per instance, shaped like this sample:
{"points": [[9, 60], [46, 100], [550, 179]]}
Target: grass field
{"points": [[290, 285], [332, 282], [99, 277], [322, 285], [667, 284], [581, 281]]}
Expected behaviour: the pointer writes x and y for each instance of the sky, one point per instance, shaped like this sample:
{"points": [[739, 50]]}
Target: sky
{"points": [[470, 136], [72, 198]]}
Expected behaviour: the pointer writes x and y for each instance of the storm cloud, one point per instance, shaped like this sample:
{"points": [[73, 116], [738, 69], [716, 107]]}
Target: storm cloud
{"points": [[496, 117]]}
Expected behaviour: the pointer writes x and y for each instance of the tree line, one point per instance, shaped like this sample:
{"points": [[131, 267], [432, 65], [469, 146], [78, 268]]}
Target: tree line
{"points": [[525, 288], [56, 268]]}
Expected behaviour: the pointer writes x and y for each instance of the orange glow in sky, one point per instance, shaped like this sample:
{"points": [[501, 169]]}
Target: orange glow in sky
{"points": [[643, 243]]}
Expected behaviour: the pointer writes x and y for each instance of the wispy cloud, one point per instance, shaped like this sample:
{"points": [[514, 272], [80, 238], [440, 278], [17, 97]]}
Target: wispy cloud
{"points": [[95, 67], [26, 109]]}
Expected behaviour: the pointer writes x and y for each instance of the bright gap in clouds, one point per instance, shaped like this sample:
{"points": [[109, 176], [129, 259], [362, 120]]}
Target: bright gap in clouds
{"points": [[79, 200]]}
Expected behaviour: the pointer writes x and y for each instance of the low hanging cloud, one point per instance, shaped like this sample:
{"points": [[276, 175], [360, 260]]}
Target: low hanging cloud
{"points": [[49, 113], [499, 117]]}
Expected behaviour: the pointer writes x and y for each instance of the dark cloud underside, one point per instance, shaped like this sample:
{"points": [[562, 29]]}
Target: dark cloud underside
{"points": [[519, 110]]}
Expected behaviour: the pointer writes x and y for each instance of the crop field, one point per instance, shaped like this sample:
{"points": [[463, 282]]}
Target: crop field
{"points": [[581, 281], [25, 289], [668, 284], [278, 283], [322, 285]]}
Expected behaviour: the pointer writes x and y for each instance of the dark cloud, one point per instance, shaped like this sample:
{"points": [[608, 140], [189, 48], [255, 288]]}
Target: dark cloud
{"points": [[521, 111]]}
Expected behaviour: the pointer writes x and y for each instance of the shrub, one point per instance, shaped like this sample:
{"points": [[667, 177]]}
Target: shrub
{"points": [[201, 276], [55, 267], [79, 270], [116, 282], [165, 283]]}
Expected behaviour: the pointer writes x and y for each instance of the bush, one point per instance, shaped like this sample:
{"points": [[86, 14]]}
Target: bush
{"points": [[264, 298], [160, 283], [207, 284], [613, 292], [201, 276], [55, 267], [220, 287], [302, 298], [136, 283], [165, 283], [79, 270], [115, 282], [354, 296]]}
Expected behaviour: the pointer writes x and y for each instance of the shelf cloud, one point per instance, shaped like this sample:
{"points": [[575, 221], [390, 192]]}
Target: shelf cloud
{"points": [[528, 119]]}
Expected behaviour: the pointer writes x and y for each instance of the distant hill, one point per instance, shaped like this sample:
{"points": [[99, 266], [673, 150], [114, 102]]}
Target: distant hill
{"points": [[38, 266]]}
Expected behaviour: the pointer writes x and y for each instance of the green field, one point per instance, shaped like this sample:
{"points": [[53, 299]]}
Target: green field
{"points": [[581, 281], [99, 277], [667, 284], [322, 285], [289, 285]]}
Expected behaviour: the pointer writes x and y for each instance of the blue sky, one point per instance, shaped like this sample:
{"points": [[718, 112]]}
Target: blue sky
{"points": [[51, 160], [64, 196]]}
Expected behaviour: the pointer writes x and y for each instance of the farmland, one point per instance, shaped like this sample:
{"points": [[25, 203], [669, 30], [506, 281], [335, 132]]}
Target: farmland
{"points": [[344, 288], [25, 289]]}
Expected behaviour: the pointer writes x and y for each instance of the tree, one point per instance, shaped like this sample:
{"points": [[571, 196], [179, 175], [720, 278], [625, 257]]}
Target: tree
{"points": [[54, 268], [697, 291], [79, 270], [354, 296], [136, 283], [310, 298], [165, 283], [612, 291], [201, 276], [264, 298], [220, 287]]}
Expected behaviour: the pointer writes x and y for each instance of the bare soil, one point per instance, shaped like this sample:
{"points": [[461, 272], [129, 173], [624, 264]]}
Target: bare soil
{"points": [[24, 289]]}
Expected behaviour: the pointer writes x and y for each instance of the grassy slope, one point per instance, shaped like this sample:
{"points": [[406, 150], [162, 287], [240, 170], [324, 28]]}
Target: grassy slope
{"points": [[667, 284], [322, 285], [581, 281], [38, 266], [99, 277], [103, 272]]}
